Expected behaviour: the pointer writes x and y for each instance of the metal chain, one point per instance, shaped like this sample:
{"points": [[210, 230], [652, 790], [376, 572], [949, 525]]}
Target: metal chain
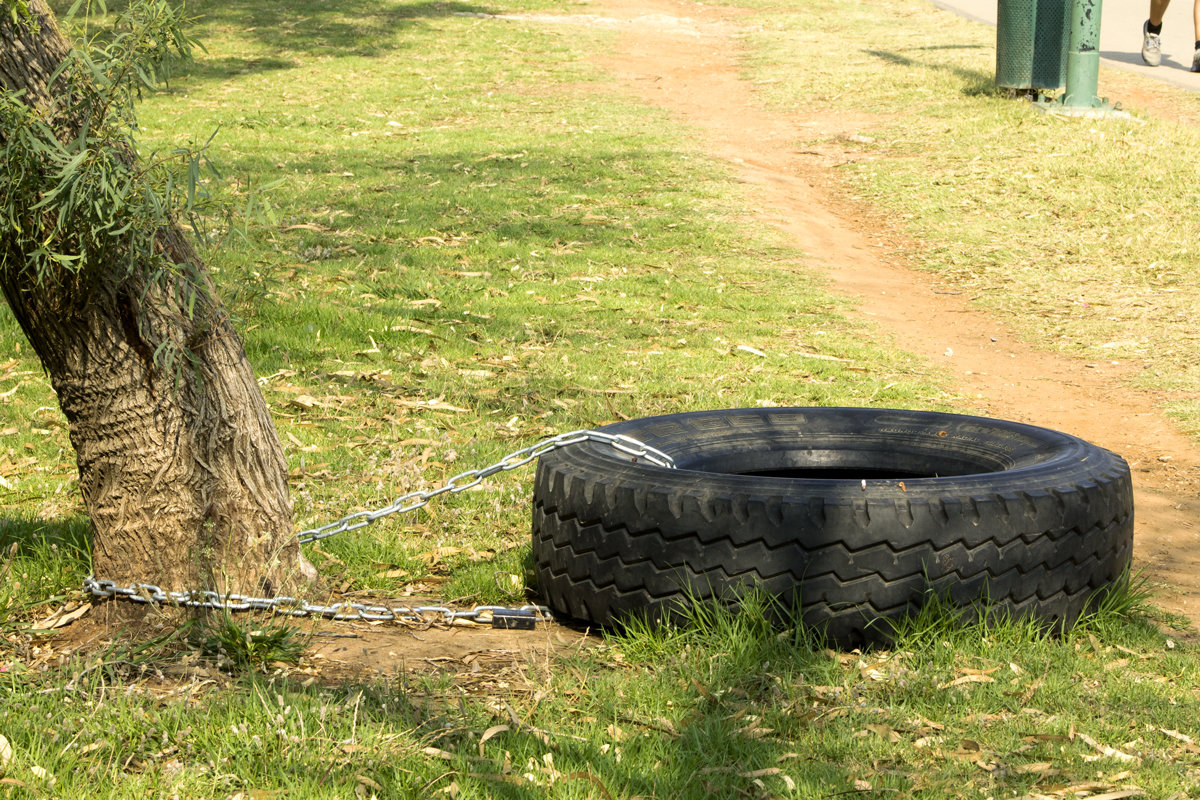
{"points": [[499, 616], [472, 478]]}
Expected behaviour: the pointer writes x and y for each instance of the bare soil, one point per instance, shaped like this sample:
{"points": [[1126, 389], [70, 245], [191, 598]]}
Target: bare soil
{"points": [[481, 659]]}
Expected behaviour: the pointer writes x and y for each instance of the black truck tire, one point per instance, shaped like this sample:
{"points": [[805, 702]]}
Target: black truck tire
{"points": [[854, 516]]}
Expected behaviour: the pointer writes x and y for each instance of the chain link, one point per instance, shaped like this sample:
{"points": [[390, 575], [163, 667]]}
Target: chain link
{"points": [[148, 593], [498, 616], [472, 478]]}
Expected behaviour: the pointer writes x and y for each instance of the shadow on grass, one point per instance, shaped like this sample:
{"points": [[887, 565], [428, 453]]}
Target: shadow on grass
{"points": [[23, 536], [309, 27], [974, 81], [563, 745], [228, 67], [40, 561], [314, 27], [458, 250]]}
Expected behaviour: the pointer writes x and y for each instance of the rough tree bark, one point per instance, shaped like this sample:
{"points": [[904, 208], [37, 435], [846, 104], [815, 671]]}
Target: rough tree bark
{"points": [[180, 467]]}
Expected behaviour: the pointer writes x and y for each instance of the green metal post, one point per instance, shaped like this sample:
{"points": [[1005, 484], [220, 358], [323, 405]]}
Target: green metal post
{"points": [[1083, 55], [1082, 68]]}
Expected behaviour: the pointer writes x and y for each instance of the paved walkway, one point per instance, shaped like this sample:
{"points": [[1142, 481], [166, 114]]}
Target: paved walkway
{"points": [[1121, 36]]}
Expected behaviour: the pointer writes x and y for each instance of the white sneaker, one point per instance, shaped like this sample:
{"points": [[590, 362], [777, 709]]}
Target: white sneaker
{"points": [[1152, 47]]}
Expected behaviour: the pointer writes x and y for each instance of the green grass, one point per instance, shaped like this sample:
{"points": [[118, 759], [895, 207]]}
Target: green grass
{"points": [[40, 565], [241, 644], [474, 244], [723, 707], [469, 252]]}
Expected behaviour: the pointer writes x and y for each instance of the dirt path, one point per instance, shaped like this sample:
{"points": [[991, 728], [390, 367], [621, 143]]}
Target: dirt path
{"points": [[683, 56]]}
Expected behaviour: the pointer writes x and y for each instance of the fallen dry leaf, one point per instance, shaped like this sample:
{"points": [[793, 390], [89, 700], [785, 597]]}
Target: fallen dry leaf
{"points": [[885, 732], [1177, 735], [307, 401], [1036, 768], [43, 774], [1085, 790], [62, 617], [968, 678], [434, 405], [1105, 750], [495, 730]]}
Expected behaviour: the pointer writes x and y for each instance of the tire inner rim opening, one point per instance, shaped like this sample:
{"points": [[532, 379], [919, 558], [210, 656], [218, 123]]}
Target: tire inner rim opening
{"points": [[886, 462]]}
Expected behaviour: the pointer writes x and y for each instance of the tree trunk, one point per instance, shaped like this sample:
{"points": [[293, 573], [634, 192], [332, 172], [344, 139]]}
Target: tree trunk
{"points": [[181, 470]]}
